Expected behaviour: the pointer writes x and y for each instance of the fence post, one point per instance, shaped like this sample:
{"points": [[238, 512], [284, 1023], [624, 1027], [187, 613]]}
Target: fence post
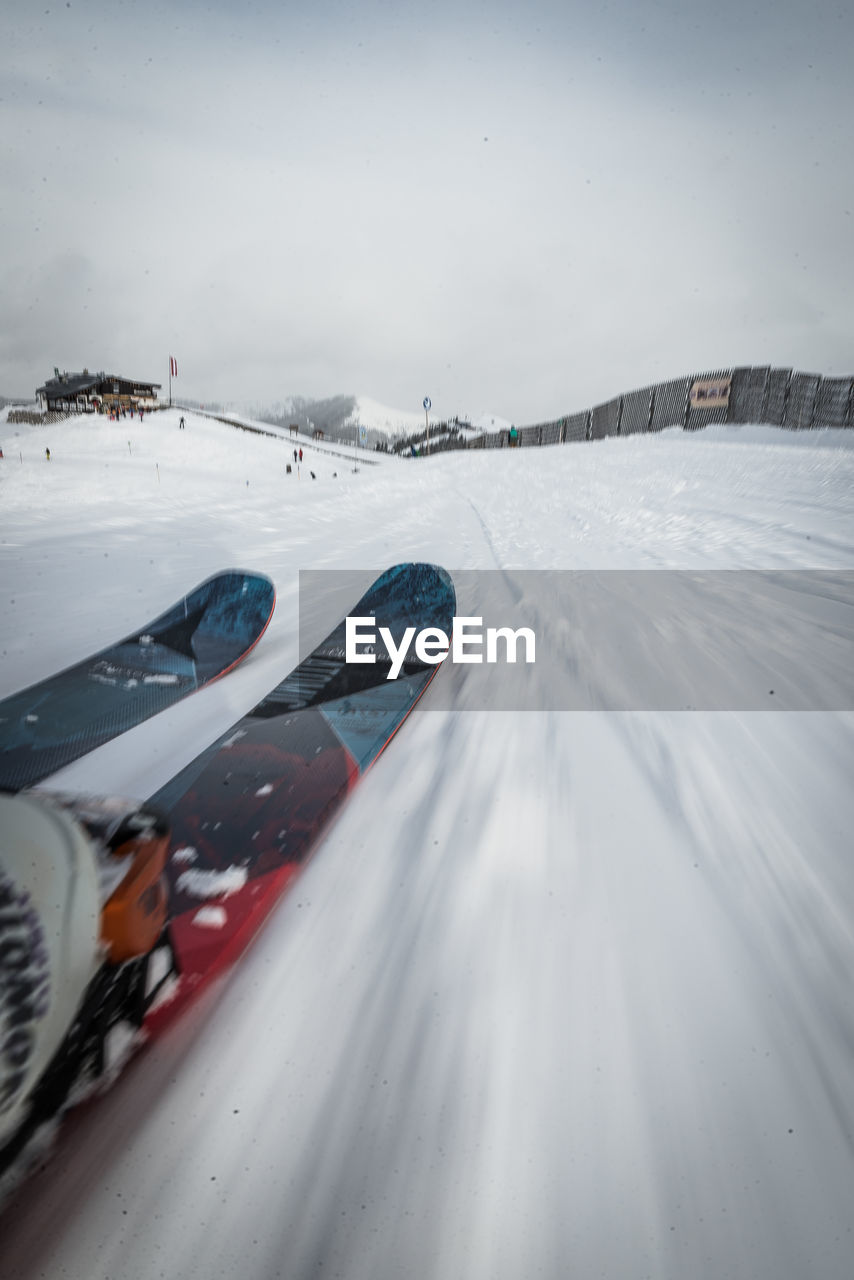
{"points": [[766, 391], [815, 402], [785, 412]]}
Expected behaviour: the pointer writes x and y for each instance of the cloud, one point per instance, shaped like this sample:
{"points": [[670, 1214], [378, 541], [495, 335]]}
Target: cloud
{"points": [[522, 211]]}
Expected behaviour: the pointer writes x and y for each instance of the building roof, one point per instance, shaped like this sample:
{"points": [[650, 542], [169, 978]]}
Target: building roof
{"points": [[131, 382], [66, 386]]}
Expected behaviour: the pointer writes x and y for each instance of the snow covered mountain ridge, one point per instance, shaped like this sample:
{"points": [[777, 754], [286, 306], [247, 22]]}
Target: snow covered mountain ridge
{"points": [[341, 416]]}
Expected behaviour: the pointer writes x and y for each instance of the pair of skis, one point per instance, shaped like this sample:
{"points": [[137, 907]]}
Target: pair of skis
{"points": [[186, 879]]}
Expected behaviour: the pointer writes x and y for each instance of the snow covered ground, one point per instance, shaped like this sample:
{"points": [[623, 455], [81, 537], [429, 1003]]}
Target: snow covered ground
{"points": [[561, 993], [379, 417]]}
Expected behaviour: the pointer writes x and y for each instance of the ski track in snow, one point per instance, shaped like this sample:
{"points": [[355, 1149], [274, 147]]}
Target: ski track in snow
{"points": [[561, 993]]}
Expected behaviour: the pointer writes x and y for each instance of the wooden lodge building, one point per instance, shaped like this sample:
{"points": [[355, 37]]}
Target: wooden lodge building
{"points": [[95, 393]]}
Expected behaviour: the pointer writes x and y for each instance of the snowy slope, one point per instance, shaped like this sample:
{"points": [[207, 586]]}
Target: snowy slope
{"points": [[379, 417], [394, 422], [560, 994], [490, 422]]}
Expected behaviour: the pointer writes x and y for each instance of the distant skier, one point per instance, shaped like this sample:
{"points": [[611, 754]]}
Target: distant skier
{"points": [[295, 455], [181, 424], [47, 454], [300, 455]]}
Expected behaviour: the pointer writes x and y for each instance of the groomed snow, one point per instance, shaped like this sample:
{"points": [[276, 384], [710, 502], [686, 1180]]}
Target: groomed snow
{"points": [[379, 417], [559, 994]]}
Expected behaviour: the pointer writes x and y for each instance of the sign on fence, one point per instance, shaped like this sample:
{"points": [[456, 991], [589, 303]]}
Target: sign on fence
{"points": [[710, 393]]}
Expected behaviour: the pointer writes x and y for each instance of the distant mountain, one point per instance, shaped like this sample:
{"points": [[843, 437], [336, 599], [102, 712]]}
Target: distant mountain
{"points": [[340, 418], [324, 415]]}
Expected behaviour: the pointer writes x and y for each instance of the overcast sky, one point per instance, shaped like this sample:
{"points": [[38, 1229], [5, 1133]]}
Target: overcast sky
{"points": [[525, 208]]}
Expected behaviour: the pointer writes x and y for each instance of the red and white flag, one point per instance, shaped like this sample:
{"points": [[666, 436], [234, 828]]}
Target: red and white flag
{"points": [[173, 367]]}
